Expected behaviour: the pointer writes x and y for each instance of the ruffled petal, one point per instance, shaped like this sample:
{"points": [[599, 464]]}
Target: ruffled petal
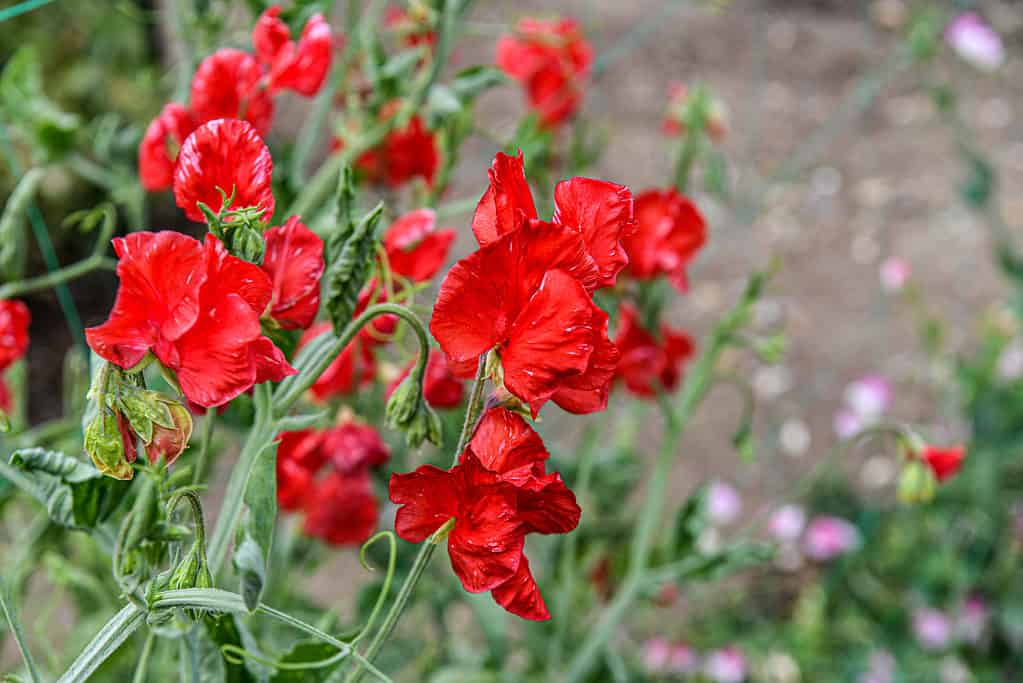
{"points": [[505, 444], [507, 202], [158, 150], [602, 212], [588, 392], [228, 85], [270, 36], [270, 362], [294, 262], [303, 67], [547, 506], [415, 248], [353, 446], [521, 596], [427, 498]]}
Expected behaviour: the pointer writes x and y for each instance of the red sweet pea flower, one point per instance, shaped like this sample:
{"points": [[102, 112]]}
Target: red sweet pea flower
{"points": [[353, 368], [158, 150], [944, 462], [14, 321], [404, 154], [599, 211], [353, 446], [415, 248], [341, 509], [301, 67], [670, 232], [227, 154], [197, 308], [552, 60], [498, 493], [294, 262], [648, 364], [441, 388], [229, 85]]}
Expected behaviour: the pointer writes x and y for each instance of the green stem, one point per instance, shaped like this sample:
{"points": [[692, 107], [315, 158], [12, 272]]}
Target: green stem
{"points": [[105, 643], [142, 668], [52, 279], [202, 462], [21, 8], [426, 551], [7, 607]]}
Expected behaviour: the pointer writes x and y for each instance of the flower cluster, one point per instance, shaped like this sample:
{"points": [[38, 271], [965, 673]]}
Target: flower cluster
{"points": [[648, 363], [527, 293], [670, 230], [326, 474], [14, 321], [497, 494], [407, 152], [232, 83], [552, 60]]}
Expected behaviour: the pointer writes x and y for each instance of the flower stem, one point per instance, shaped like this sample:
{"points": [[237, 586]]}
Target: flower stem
{"points": [[426, 551]]}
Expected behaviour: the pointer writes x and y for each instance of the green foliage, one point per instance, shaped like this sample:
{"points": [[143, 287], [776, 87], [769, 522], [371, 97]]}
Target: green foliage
{"points": [[348, 272]]}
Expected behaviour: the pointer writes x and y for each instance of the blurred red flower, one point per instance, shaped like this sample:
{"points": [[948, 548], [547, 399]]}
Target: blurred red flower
{"points": [[158, 151], [405, 153], [415, 248], [552, 61], [14, 321], [294, 262], [197, 308], [227, 154], [648, 363], [229, 85], [441, 388], [300, 66], [341, 509], [670, 231], [944, 462], [497, 494]]}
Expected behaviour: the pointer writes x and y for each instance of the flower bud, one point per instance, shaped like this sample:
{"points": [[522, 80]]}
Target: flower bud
{"points": [[169, 442], [917, 484], [408, 412], [106, 445], [164, 425]]}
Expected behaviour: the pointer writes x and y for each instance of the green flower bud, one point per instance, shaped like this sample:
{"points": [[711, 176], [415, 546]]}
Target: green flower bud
{"points": [[916, 484], [407, 411], [107, 446]]}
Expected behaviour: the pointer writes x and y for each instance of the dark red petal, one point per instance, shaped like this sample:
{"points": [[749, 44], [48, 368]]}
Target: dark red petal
{"points": [[441, 388], [161, 276], [270, 35], [5, 396], [228, 85], [158, 150], [14, 322], [551, 340], [353, 446], [294, 484], [547, 506], [415, 248], [588, 392], [342, 510], [227, 274], [471, 314], [507, 202], [226, 154], [304, 446], [669, 232], [486, 543], [505, 444], [270, 362], [603, 213], [521, 596], [294, 262], [427, 498], [678, 349], [303, 67]]}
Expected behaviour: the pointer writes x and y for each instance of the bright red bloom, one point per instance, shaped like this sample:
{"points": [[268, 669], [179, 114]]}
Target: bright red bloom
{"points": [[353, 368], [341, 509], [648, 364], [441, 388], [552, 60], [670, 232], [14, 321], [415, 248], [599, 211], [197, 308], [294, 262], [158, 150], [404, 154], [301, 66], [944, 462], [227, 154], [229, 85], [498, 493]]}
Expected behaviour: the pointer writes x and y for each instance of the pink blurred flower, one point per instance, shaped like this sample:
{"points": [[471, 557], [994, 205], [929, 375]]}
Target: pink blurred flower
{"points": [[726, 665], [829, 537], [869, 397], [787, 523], [894, 274], [683, 660], [972, 620], [931, 628], [975, 41], [847, 423], [723, 503], [656, 654]]}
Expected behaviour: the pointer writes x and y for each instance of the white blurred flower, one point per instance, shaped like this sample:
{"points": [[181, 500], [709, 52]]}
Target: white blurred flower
{"points": [[726, 665], [723, 503], [881, 668], [787, 523], [975, 41], [954, 670], [829, 537], [1010, 363], [794, 437], [894, 274], [847, 423], [780, 667], [931, 628], [869, 397]]}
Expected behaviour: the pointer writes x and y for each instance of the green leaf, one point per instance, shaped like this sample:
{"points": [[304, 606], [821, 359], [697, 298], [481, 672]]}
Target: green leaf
{"points": [[690, 523], [470, 83], [13, 232], [718, 565], [255, 535], [307, 652], [144, 409], [75, 493], [22, 101], [105, 446], [348, 273], [979, 185], [224, 630]]}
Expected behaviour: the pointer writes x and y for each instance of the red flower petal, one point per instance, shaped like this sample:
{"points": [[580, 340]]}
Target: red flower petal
{"points": [[588, 392], [342, 510], [228, 85], [294, 262], [270, 36], [302, 67], [944, 462], [294, 484], [550, 341], [158, 299], [441, 388], [647, 364], [602, 212], [14, 322], [670, 230], [507, 202], [404, 154], [505, 444], [547, 506], [304, 446], [158, 150], [353, 367], [521, 596], [5, 396], [226, 154], [427, 498], [415, 248], [353, 446], [270, 362]]}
